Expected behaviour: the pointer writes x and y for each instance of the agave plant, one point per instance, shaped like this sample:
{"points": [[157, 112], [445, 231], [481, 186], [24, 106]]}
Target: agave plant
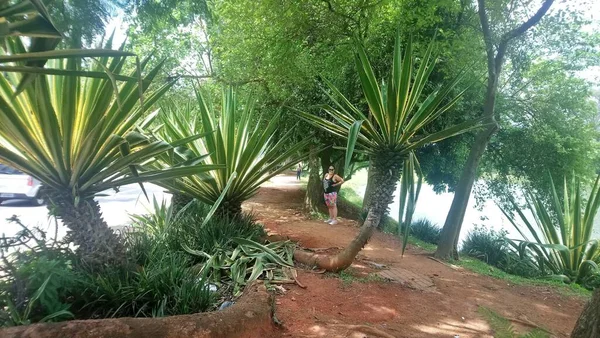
{"points": [[237, 138], [560, 239], [399, 116], [78, 137]]}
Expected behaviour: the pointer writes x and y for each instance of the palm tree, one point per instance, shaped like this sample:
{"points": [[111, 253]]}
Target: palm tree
{"points": [[247, 145], [78, 137], [395, 130]]}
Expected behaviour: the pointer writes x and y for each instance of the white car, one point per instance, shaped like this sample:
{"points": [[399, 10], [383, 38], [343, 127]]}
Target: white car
{"points": [[16, 185]]}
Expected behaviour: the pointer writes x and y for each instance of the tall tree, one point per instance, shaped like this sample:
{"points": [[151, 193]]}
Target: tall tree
{"points": [[397, 129], [496, 54]]}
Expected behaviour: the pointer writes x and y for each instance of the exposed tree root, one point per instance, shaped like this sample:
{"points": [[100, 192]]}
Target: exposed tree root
{"points": [[451, 266], [365, 329], [251, 316], [339, 261]]}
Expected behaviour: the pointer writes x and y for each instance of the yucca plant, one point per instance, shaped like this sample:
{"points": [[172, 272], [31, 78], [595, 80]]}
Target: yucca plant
{"points": [[30, 19], [78, 137], [248, 146], [399, 115], [560, 237]]}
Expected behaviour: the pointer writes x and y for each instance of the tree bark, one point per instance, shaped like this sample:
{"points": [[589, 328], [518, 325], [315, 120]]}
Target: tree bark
{"points": [[314, 190], [588, 324], [179, 201], [447, 248], [386, 173], [448, 244], [368, 189], [97, 244]]}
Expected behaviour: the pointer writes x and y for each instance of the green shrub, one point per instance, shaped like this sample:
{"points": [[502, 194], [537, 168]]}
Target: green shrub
{"points": [[39, 283], [426, 231], [559, 239], [34, 275], [184, 228], [486, 244], [165, 285], [493, 248]]}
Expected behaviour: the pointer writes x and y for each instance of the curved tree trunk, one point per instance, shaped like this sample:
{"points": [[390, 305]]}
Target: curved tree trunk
{"points": [[314, 190], [97, 244], [386, 174], [588, 324]]}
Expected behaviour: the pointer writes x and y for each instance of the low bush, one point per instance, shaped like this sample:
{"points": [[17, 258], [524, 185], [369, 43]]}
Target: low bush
{"points": [[486, 244], [165, 285], [34, 276], [175, 266], [184, 228], [493, 248], [426, 231]]}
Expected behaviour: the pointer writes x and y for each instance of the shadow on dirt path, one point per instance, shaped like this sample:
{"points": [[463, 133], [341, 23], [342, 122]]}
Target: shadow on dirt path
{"points": [[385, 295]]}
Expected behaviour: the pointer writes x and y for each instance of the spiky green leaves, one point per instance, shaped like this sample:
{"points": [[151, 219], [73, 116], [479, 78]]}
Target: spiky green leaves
{"points": [[77, 135], [559, 238], [235, 137], [399, 112]]}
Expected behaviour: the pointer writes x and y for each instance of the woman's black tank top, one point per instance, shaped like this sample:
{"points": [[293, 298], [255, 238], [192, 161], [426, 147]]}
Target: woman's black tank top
{"points": [[328, 185]]}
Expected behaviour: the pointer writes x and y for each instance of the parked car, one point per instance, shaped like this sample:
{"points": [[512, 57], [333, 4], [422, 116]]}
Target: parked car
{"points": [[16, 185]]}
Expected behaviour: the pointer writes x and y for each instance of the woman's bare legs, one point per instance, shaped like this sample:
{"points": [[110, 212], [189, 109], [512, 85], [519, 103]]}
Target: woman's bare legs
{"points": [[333, 213]]}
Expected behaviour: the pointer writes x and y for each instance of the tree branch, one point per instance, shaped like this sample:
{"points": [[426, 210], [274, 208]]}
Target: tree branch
{"points": [[527, 24], [487, 34], [514, 33], [332, 10]]}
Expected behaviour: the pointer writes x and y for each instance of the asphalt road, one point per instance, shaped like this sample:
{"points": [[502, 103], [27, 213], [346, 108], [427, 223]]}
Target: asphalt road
{"points": [[116, 208]]}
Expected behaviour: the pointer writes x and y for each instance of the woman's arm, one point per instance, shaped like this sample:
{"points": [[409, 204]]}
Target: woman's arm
{"points": [[338, 180]]}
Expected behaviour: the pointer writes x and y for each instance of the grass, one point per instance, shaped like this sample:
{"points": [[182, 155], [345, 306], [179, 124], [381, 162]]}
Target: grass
{"points": [[503, 328], [348, 277], [480, 267]]}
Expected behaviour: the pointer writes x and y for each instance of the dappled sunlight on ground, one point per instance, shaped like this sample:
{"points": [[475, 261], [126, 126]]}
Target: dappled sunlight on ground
{"points": [[382, 310], [464, 328], [431, 300]]}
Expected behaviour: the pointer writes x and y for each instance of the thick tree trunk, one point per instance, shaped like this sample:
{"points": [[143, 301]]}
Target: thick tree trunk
{"points": [[314, 187], [179, 201], [325, 157], [97, 245], [448, 245], [386, 172], [447, 248], [588, 324], [229, 209], [250, 316]]}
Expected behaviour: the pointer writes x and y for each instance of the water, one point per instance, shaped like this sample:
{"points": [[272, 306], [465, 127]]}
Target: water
{"points": [[435, 208]]}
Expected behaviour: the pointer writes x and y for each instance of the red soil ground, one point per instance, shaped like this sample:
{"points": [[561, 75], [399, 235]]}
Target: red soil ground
{"points": [[329, 307]]}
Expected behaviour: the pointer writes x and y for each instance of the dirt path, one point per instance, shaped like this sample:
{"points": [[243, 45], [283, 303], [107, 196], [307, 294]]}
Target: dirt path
{"points": [[431, 299]]}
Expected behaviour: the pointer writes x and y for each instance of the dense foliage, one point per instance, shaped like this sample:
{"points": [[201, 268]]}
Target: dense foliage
{"points": [[560, 237], [252, 148], [425, 230], [174, 272]]}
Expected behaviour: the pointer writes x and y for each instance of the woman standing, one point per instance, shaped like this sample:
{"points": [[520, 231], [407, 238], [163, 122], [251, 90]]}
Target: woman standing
{"points": [[331, 186]]}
